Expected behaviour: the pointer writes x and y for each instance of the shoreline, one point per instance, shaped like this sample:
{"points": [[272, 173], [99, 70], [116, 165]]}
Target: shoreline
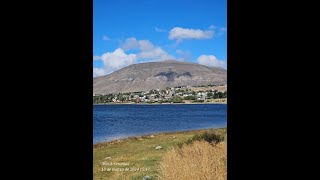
{"points": [[149, 152], [154, 134], [159, 103]]}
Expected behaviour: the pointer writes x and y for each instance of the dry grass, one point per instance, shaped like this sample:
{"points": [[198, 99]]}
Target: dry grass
{"points": [[197, 161]]}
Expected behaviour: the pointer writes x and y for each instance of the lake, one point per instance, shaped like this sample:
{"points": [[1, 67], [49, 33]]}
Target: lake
{"points": [[112, 122]]}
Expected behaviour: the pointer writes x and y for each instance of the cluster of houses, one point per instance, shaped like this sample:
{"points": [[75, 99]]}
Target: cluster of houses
{"points": [[162, 95]]}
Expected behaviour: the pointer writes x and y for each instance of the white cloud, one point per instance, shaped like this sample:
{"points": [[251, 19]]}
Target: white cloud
{"points": [[96, 58], [155, 54], [211, 60], [212, 27], [148, 52], [145, 45], [133, 43], [178, 33], [159, 30], [106, 38], [116, 60], [98, 72], [130, 43]]}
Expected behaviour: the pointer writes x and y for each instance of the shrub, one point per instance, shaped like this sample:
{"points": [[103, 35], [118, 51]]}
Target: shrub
{"points": [[210, 137], [190, 98], [199, 100], [176, 100]]}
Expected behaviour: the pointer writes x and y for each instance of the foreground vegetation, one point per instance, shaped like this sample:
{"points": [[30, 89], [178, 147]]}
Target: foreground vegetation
{"points": [[204, 151], [200, 160]]}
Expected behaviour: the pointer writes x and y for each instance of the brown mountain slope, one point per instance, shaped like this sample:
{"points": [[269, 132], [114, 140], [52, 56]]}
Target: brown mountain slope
{"points": [[158, 75]]}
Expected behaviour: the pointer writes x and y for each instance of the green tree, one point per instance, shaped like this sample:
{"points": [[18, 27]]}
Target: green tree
{"points": [[225, 94], [176, 99], [190, 98]]}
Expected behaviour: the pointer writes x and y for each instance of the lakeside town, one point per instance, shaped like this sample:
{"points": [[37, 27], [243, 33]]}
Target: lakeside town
{"points": [[182, 94]]}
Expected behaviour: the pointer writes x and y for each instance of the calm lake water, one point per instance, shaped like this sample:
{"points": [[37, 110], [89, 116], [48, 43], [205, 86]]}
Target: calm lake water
{"points": [[119, 121]]}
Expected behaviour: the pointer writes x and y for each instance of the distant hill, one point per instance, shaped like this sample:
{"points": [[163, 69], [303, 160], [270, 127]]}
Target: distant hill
{"points": [[158, 75]]}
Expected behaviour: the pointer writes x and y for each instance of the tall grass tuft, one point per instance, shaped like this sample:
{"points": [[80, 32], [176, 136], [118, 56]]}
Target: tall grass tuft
{"points": [[199, 160]]}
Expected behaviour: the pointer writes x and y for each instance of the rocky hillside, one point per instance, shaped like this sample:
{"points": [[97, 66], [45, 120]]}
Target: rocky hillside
{"points": [[158, 75]]}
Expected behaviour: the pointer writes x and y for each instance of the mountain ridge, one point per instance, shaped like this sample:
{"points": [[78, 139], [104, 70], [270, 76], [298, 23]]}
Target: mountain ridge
{"points": [[158, 75]]}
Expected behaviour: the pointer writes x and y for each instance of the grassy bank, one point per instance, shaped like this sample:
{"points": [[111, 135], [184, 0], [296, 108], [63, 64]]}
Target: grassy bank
{"points": [[140, 156]]}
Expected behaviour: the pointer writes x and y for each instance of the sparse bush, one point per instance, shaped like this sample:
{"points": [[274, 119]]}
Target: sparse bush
{"points": [[176, 100], [210, 137], [189, 98]]}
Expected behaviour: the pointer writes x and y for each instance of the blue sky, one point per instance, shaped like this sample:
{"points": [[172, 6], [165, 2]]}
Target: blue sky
{"points": [[133, 31]]}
